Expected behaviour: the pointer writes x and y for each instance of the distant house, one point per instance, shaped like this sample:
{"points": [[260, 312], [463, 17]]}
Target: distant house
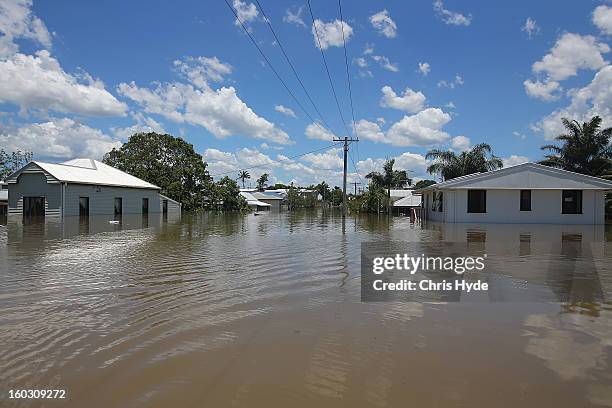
{"points": [[3, 199], [82, 187], [526, 193], [254, 203], [405, 204]]}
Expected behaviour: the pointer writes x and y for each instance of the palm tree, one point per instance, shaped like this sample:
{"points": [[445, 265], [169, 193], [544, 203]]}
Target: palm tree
{"points": [[243, 175], [390, 178], [585, 149], [261, 181], [449, 165]]}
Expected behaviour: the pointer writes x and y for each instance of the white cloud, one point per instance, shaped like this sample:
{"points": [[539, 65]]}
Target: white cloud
{"points": [[59, 139], [246, 12], [450, 17], [38, 81], [461, 143], [457, 81], [451, 105], [530, 27], [410, 101], [285, 111], [593, 99], [360, 62], [143, 124], [602, 18], [424, 68], [383, 23], [414, 163], [330, 34], [294, 17], [219, 111], [200, 70], [547, 91], [326, 160], [519, 135], [570, 53], [16, 22], [369, 49], [318, 132], [514, 159], [421, 129], [385, 63]]}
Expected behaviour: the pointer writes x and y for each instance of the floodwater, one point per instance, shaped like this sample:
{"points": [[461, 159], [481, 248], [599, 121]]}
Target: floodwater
{"points": [[265, 311]]}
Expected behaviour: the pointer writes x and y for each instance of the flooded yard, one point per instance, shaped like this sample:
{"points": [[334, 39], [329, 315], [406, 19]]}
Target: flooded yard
{"points": [[265, 311]]}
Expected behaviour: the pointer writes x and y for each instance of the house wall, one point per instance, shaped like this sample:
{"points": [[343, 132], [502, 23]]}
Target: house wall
{"points": [[503, 206], [102, 199], [174, 208], [275, 204], [34, 184]]}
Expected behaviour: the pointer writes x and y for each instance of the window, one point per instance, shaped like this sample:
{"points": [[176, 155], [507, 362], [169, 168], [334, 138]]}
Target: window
{"points": [[477, 201], [571, 202], [433, 201], [118, 206], [165, 207], [525, 200], [84, 206], [440, 202], [145, 206]]}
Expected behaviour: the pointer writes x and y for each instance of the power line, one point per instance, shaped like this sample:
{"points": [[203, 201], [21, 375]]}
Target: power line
{"points": [[348, 76], [271, 66], [331, 83], [277, 161], [280, 44]]}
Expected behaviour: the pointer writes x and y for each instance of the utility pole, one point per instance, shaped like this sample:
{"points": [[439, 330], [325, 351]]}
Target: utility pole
{"points": [[346, 144], [355, 184]]}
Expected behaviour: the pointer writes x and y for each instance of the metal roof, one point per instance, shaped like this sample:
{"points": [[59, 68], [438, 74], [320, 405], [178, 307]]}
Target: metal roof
{"points": [[88, 171], [3, 195], [264, 195], [409, 201], [525, 176], [251, 200]]}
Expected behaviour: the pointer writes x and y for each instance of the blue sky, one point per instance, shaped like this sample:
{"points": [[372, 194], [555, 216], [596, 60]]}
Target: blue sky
{"points": [[77, 78]]}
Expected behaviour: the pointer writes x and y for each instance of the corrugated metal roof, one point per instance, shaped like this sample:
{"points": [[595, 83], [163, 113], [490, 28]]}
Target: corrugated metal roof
{"points": [[265, 195], [409, 201], [88, 171], [251, 200]]}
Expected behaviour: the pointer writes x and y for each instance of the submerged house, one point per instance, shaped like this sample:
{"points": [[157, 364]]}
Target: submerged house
{"points": [[528, 193], [3, 199], [254, 203], [82, 187]]}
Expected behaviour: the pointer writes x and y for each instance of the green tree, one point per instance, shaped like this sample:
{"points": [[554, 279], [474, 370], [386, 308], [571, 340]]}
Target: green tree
{"points": [[168, 162], [262, 181], [294, 199], [586, 149], [10, 163], [424, 183], [243, 175], [448, 165], [226, 196], [323, 189], [389, 179]]}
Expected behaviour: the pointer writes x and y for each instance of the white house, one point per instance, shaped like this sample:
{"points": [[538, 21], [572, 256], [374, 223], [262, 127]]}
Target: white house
{"points": [[528, 193], [254, 203]]}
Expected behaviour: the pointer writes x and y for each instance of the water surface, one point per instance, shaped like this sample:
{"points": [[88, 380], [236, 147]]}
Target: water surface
{"points": [[264, 311]]}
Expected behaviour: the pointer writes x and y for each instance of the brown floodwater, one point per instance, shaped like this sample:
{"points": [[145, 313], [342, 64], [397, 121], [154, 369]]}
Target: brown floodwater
{"points": [[226, 310]]}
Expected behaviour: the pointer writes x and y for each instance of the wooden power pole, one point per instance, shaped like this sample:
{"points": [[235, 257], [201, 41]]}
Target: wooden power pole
{"points": [[346, 141]]}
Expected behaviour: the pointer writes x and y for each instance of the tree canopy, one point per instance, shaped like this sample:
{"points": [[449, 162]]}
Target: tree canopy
{"points": [[585, 148], [168, 162], [448, 164], [390, 178], [10, 163]]}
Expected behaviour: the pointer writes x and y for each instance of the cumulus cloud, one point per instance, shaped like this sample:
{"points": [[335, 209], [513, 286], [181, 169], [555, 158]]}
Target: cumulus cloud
{"points": [[285, 111], [385, 63], [410, 101], [422, 129], [220, 111], [202, 70], [450, 17], [144, 124], [294, 17], [457, 81], [17, 21], [38, 81], [330, 34], [602, 18], [314, 131], [547, 91], [460, 143], [329, 159], [570, 53], [59, 139], [247, 12], [383, 23], [424, 68], [413, 163], [530, 27], [514, 160], [586, 102]]}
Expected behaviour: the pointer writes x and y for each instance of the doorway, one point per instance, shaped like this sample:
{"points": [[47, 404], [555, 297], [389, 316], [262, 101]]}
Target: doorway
{"points": [[83, 206], [33, 207], [118, 207]]}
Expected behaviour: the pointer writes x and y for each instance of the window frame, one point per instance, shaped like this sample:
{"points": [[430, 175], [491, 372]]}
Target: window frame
{"points": [[578, 202], [521, 202], [471, 209]]}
